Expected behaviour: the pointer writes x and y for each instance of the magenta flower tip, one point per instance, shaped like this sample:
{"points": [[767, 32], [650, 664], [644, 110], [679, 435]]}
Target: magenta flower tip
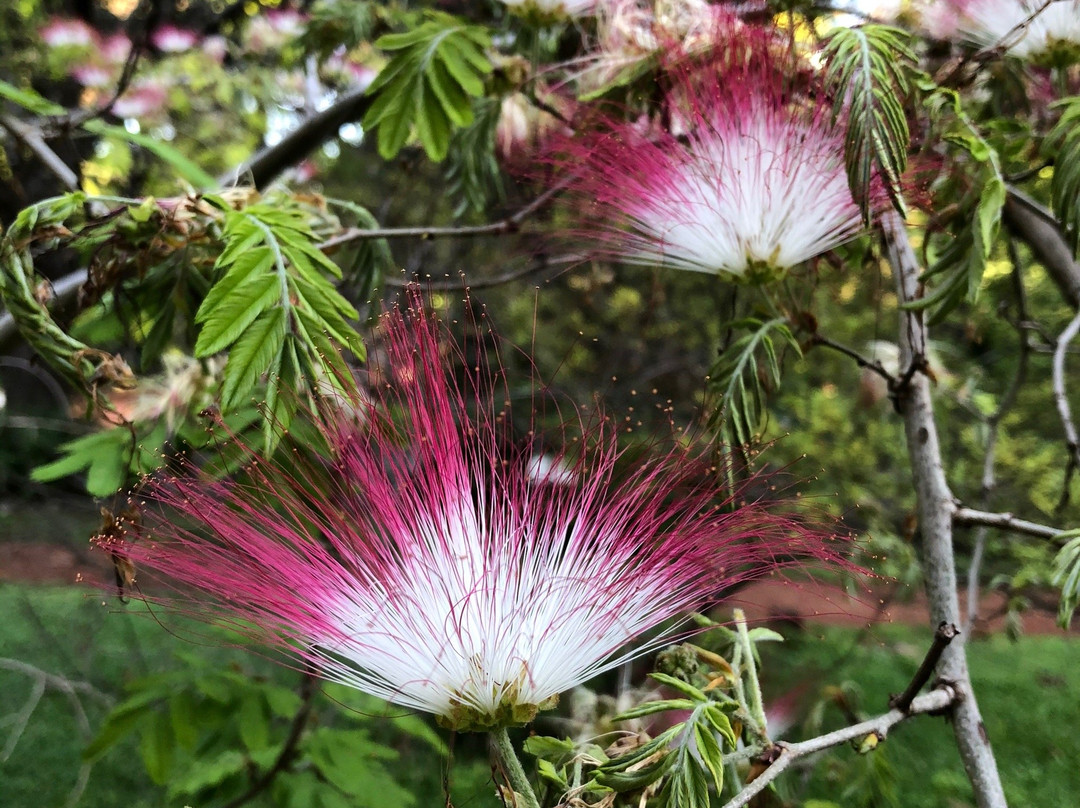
{"points": [[441, 566], [744, 180]]}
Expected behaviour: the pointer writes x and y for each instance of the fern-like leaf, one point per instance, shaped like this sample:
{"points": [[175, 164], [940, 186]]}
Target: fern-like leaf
{"points": [[473, 176], [1063, 146], [741, 373], [428, 84], [1067, 576], [867, 76], [960, 264], [274, 308]]}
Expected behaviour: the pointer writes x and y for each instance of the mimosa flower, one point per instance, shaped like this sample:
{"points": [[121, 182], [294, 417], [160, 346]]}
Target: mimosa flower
{"points": [[1027, 29], [141, 100], [745, 181], [553, 8], [63, 32], [434, 565], [274, 29], [115, 49], [93, 75], [170, 39]]}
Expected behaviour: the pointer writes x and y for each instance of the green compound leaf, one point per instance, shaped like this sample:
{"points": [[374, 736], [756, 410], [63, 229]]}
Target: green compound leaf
{"points": [[275, 309], [427, 87], [104, 455], [1067, 576], [473, 176], [867, 75], [960, 264], [738, 378], [1063, 146]]}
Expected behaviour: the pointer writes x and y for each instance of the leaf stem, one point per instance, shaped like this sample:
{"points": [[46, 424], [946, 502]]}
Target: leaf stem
{"points": [[512, 768], [755, 701]]}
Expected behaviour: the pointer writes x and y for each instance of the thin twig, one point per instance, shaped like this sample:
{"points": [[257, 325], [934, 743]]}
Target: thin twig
{"points": [[511, 224], [71, 689], [968, 517], [77, 118], [860, 360], [997, 48], [450, 284], [1072, 442], [945, 634], [938, 699]]}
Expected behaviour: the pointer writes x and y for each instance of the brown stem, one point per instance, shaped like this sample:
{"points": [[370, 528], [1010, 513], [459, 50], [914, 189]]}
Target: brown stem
{"points": [[944, 635]]}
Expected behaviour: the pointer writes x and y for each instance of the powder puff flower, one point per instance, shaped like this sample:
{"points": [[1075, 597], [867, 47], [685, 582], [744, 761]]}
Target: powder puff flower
{"points": [[274, 29], [93, 75], [62, 32], [170, 39], [141, 100], [554, 9], [746, 181], [215, 48], [630, 33], [1027, 29], [116, 49], [429, 562], [523, 127]]}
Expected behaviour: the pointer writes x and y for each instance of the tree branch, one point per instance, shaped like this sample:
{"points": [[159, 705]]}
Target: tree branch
{"points": [[968, 517], [935, 506], [940, 698], [860, 360], [945, 634], [32, 139], [508, 225], [993, 422], [308, 136], [1061, 400], [1038, 228]]}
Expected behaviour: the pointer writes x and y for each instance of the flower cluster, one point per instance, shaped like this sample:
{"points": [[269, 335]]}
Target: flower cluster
{"points": [[431, 561], [1027, 29], [744, 178], [97, 61], [552, 9]]}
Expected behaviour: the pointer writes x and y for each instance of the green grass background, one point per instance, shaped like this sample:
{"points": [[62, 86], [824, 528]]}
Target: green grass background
{"points": [[1029, 692]]}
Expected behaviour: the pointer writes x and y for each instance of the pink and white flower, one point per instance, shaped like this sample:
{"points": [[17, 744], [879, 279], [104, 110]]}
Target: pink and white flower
{"points": [[1027, 29], [141, 100], [553, 8], [63, 32], [215, 48], [428, 562], [274, 29], [170, 39], [93, 75], [745, 181], [115, 49]]}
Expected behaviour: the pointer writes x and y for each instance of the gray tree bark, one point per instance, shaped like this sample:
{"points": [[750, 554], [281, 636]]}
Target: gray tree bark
{"points": [[936, 505]]}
